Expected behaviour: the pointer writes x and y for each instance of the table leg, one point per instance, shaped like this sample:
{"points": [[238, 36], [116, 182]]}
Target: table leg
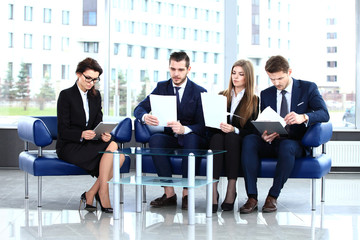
{"points": [[138, 176], [209, 187], [191, 190], [116, 185]]}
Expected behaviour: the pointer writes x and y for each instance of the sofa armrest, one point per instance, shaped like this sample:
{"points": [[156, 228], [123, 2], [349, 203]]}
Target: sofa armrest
{"points": [[34, 130], [51, 124], [123, 131], [142, 133], [317, 134]]}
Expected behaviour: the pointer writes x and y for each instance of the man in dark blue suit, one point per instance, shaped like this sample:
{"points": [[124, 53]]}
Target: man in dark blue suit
{"points": [[188, 132], [301, 105]]}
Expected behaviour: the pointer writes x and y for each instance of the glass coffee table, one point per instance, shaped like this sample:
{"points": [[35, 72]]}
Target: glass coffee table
{"points": [[191, 182]]}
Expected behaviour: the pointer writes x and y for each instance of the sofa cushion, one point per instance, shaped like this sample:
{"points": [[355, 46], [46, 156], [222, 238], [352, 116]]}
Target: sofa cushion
{"points": [[50, 165]]}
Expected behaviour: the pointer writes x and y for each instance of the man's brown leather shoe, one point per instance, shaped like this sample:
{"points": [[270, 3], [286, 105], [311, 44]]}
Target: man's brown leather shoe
{"points": [[249, 206], [184, 205], [270, 205], [164, 201]]}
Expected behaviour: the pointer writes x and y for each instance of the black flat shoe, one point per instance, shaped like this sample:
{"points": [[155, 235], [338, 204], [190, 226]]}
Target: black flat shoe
{"points": [[105, 210], [216, 206], [228, 206], [165, 201], [87, 207]]}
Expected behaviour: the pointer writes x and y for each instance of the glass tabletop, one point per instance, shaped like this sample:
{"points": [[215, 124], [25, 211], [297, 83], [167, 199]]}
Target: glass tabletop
{"points": [[166, 151], [162, 181]]}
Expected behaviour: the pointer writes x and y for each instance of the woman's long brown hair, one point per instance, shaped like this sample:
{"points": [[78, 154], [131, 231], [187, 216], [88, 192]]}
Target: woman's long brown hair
{"points": [[249, 100]]}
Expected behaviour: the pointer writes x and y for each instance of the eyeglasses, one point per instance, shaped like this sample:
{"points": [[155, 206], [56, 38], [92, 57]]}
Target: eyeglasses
{"points": [[89, 79]]}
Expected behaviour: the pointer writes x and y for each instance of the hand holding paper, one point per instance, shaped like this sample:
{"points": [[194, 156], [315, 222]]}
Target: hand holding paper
{"points": [[227, 128], [177, 127], [151, 120]]}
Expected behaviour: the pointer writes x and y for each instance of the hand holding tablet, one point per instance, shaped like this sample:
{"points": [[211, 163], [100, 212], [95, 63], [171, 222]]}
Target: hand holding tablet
{"points": [[103, 127]]}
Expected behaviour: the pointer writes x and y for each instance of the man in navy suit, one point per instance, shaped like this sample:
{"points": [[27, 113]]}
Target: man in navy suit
{"points": [[187, 133], [301, 105]]}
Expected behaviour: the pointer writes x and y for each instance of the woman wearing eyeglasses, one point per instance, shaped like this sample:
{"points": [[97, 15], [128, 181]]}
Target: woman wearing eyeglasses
{"points": [[78, 113]]}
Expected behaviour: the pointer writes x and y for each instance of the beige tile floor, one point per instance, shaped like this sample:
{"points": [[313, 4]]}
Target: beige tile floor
{"points": [[59, 218]]}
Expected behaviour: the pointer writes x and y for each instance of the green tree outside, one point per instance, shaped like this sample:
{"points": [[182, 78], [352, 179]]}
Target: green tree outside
{"points": [[122, 91], [22, 89], [46, 94], [7, 88]]}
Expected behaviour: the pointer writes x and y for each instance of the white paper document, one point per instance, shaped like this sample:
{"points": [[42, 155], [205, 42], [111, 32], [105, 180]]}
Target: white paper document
{"points": [[214, 109], [268, 114], [270, 121], [164, 108]]}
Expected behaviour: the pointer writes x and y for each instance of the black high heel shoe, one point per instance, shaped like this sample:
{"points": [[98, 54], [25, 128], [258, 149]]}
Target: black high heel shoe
{"points": [[105, 210], [228, 206], [216, 206], [87, 207]]}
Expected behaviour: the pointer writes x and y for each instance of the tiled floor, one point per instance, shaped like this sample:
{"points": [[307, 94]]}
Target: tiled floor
{"points": [[59, 218]]}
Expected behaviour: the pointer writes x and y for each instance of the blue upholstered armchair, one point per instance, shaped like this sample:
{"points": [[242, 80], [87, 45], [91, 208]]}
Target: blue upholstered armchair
{"points": [[41, 131]]}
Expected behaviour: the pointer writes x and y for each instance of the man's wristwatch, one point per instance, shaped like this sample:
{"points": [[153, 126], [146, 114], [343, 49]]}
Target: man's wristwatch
{"points": [[306, 118]]}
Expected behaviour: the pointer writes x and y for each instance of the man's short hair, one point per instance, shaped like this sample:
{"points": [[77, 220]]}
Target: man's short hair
{"points": [[276, 64], [179, 56]]}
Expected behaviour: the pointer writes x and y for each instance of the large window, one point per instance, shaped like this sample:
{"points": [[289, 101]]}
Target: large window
{"points": [[46, 41]]}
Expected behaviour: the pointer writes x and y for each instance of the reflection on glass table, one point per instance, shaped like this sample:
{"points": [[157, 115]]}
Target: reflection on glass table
{"points": [[189, 182]]}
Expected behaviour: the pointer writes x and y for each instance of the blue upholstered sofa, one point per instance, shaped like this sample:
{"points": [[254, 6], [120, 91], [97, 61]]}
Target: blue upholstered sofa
{"points": [[311, 167], [41, 131]]}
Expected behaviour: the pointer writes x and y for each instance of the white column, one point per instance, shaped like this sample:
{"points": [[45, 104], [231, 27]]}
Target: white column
{"points": [[116, 185], [138, 176], [209, 187], [191, 190]]}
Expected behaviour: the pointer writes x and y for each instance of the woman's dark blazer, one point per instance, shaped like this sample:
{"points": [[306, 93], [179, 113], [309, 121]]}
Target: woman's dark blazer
{"points": [[72, 121], [248, 128]]}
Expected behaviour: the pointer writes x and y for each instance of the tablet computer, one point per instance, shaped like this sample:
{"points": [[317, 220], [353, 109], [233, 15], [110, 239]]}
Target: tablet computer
{"points": [[104, 127]]}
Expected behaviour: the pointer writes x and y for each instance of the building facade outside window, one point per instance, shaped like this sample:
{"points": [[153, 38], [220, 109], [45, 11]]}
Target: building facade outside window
{"points": [[86, 47], [11, 11], [11, 40], [65, 17], [28, 13], [47, 42], [65, 44], [65, 72], [28, 41], [46, 71], [129, 50], [156, 53], [89, 12], [143, 52], [47, 15]]}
